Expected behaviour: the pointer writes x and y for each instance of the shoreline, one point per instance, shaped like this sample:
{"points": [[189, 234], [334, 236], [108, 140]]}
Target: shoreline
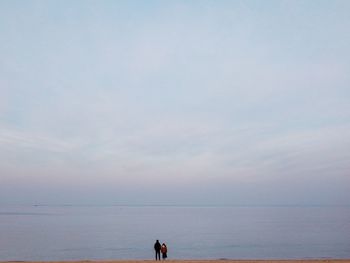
{"points": [[192, 261]]}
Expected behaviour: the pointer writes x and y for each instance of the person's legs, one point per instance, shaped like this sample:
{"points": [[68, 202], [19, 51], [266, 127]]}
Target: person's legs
{"points": [[158, 255]]}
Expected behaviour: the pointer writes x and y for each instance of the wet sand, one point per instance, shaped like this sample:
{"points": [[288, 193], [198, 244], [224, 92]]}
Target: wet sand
{"points": [[196, 261]]}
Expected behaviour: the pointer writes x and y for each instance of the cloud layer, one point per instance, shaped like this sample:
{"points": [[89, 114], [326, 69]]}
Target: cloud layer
{"points": [[175, 103]]}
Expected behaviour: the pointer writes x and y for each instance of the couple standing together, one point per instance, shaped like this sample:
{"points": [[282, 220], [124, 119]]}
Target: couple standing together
{"points": [[160, 248]]}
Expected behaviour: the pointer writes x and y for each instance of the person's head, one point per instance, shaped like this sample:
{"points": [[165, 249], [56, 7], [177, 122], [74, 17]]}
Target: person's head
{"points": [[157, 241]]}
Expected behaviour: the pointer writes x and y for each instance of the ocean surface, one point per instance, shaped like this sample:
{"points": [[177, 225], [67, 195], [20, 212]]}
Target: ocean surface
{"points": [[122, 232]]}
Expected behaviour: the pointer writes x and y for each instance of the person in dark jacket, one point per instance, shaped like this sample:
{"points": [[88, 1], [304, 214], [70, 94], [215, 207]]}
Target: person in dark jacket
{"points": [[157, 248], [164, 251]]}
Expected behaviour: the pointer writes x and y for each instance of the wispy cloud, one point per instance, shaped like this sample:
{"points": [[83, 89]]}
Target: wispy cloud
{"points": [[220, 95]]}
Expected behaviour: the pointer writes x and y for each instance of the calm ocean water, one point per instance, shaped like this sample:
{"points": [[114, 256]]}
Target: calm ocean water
{"points": [[118, 232]]}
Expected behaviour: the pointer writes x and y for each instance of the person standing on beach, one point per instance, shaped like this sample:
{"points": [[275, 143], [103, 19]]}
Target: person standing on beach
{"points": [[164, 251], [157, 248]]}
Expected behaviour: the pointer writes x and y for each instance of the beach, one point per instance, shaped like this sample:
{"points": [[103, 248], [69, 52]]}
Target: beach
{"points": [[196, 261]]}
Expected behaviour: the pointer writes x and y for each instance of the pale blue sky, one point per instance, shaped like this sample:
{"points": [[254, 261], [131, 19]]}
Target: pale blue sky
{"points": [[175, 102]]}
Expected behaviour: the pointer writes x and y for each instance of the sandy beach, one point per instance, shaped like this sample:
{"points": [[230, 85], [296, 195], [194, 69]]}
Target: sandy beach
{"points": [[195, 261]]}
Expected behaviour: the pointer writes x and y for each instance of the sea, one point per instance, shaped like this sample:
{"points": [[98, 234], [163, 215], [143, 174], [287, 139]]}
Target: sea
{"points": [[41, 232]]}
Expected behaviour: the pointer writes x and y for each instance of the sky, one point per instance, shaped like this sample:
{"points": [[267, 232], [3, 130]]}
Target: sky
{"points": [[175, 102]]}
